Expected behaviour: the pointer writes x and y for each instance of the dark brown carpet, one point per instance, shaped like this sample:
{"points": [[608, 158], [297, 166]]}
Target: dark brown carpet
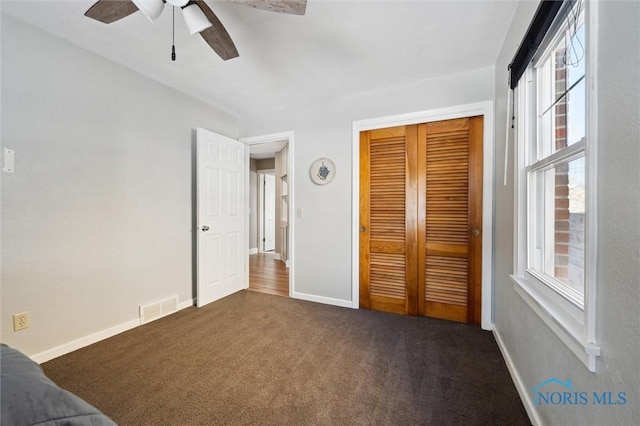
{"points": [[258, 359]]}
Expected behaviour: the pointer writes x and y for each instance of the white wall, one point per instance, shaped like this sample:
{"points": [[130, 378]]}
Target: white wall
{"points": [[97, 218], [322, 241], [266, 164], [536, 352]]}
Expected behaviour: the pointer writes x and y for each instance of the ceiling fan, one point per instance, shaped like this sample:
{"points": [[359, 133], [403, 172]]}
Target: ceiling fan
{"points": [[197, 15]]}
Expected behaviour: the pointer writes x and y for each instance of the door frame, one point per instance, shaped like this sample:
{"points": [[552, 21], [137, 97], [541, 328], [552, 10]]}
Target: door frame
{"points": [[468, 110], [275, 137], [261, 215]]}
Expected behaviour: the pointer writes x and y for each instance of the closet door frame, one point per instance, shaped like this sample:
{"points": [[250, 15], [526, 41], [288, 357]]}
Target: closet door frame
{"points": [[481, 108]]}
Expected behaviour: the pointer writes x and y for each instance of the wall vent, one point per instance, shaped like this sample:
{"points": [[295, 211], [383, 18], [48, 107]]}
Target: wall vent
{"points": [[153, 311]]}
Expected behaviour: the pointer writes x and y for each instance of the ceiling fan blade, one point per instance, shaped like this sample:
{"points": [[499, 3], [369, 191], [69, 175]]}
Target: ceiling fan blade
{"points": [[109, 11], [292, 7], [216, 35]]}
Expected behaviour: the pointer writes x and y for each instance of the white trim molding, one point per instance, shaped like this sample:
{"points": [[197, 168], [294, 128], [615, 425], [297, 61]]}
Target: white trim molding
{"points": [[321, 299], [568, 328], [574, 323], [92, 338], [591, 227], [80, 343], [529, 406], [485, 109], [186, 304]]}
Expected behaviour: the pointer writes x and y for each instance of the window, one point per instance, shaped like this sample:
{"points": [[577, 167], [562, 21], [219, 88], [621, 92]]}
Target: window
{"points": [[553, 187], [555, 164]]}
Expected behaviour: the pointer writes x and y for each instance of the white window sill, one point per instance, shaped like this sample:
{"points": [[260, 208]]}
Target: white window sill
{"points": [[569, 328]]}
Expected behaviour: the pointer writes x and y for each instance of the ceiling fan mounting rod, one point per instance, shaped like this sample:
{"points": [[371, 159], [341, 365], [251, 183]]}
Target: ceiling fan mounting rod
{"points": [[173, 35]]}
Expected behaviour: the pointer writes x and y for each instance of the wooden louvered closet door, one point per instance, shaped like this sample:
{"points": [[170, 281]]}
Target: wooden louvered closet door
{"points": [[420, 218], [388, 197], [450, 219]]}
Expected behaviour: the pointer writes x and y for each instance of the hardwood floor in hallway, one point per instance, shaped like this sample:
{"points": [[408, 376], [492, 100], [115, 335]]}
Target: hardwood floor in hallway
{"points": [[268, 275]]}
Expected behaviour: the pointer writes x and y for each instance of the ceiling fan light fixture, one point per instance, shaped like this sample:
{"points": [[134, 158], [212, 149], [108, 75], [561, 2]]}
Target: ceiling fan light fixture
{"points": [[150, 8], [195, 18]]}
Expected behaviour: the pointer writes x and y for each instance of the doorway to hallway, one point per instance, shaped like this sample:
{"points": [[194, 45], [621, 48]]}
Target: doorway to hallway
{"points": [[269, 225]]}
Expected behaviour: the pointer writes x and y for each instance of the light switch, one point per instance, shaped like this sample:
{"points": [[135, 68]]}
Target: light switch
{"points": [[9, 155], [300, 212]]}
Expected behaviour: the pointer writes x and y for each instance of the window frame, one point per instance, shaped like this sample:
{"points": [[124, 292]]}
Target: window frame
{"points": [[571, 319], [566, 155]]}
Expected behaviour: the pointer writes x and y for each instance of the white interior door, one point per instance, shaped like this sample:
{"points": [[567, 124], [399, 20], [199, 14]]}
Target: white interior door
{"points": [[269, 212], [220, 204]]}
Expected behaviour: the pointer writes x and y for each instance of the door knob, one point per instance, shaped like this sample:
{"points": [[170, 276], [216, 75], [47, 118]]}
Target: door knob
{"points": [[363, 228], [476, 232], [205, 228]]}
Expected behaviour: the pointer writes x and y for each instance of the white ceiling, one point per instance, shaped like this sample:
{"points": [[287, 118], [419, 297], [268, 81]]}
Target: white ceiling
{"points": [[263, 151], [337, 48]]}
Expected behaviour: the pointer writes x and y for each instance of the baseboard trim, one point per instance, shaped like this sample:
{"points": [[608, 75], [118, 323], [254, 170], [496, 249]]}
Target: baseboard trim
{"points": [[322, 299], [186, 304], [534, 418], [76, 344], [84, 341], [271, 254], [253, 251]]}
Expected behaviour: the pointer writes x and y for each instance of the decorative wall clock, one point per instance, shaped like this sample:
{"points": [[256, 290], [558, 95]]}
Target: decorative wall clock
{"points": [[322, 171]]}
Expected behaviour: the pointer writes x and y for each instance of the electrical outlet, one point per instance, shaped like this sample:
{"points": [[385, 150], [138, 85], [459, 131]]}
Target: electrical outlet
{"points": [[20, 321]]}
